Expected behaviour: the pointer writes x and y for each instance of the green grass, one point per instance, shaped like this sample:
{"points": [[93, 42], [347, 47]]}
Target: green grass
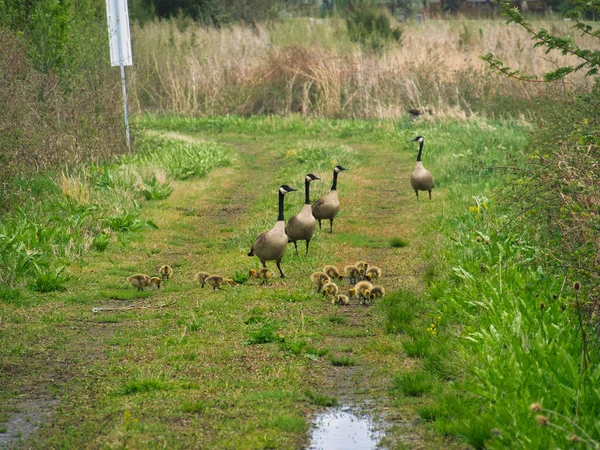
{"points": [[234, 365], [413, 384], [398, 242], [342, 360]]}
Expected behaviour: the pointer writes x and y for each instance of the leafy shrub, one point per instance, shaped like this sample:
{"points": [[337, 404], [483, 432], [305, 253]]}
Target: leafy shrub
{"points": [[128, 221], [266, 333], [372, 27], [48, 279], [154, 190], [182, 160]]}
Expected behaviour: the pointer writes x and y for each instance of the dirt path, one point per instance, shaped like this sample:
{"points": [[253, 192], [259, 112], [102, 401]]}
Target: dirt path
{"points": [[206, 387]]}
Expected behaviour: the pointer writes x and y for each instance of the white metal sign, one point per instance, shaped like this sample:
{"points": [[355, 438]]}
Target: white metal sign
{"points": [[118, 32]]}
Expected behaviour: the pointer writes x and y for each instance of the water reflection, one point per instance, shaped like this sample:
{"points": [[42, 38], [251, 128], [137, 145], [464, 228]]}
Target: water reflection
{"points": [[341, 429]]}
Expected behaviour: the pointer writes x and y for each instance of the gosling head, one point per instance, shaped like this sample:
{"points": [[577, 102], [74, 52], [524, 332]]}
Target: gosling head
{"points": [[252, 273], [419, 139], [338, 169], [155, 281], [310, 177], [284, 189]]}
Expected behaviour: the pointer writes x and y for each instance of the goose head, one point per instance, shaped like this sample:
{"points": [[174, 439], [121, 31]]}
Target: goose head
{"points": [[338, 169], [311, 177], [418, 139], [284, 189]]}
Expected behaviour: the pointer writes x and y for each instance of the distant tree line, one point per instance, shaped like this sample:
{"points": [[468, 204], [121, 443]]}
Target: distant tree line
{"points": [[221, 12]]}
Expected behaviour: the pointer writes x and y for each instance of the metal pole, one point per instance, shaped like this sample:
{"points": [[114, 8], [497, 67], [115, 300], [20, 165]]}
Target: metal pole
{"points": [[125, 104], [122, 76]]}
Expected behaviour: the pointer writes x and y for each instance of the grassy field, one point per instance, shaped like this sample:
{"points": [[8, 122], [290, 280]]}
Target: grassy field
{"points": [[248, 366]]}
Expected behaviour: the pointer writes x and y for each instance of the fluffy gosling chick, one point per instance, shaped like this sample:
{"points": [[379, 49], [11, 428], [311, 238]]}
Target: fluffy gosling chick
{"points": [[330, 289], [155, 281], [139, 281], [165, 272], [373, 273], [353, 273], [216, 281], [333, 272], [319, 279], [363, 266], [377, 292], [263, 274], [201, 277], [340, 299], [362, 290]]}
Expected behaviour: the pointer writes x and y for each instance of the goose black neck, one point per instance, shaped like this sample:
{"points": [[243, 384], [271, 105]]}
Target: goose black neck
{"points": [[420, 151], [334, 185], [280, 216], [307, 192]]}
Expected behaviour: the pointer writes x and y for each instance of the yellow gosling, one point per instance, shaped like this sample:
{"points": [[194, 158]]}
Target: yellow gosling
{"points": [[166, 272], [155, 281], [333, 272], [363, 291], [319, 279], [139, 281], [330, 289], [201, 277], [373, 273], [340, 299], [263, 274], [353, 273], [377, 292], [363, 266]]}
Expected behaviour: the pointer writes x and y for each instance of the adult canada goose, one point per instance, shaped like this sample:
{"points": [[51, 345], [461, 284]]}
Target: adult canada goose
{"points": [[333, 272], [166, 271], [373, 273], [263, 274], [328, 206], [302, 226], [330, 289], [353, 273], [421, 178], [340, 299], [270, 245], [319, 279], [139, 281], [201, 277], [216, 281]]}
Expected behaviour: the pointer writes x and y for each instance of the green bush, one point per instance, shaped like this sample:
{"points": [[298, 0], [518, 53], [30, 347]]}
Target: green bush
{"points": [[372, 27]]}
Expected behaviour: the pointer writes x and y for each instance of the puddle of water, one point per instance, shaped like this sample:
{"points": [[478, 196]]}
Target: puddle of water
{"points": [[342, 429]]}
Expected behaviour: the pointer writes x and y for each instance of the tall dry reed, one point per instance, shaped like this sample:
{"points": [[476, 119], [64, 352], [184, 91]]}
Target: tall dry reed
{"points": [[310, 67]]}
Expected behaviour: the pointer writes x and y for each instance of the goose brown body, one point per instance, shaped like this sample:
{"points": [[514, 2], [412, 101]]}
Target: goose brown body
{"points": [[302, 226], [421, 179], [328, 206], [270, 245]]}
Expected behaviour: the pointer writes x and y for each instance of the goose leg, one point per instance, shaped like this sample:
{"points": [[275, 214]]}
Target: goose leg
{"points": [[429, 194], [279, 267], [417, 192], [307, 242], [296, 247], [264, 264], [331, 225], [319, 223]]}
